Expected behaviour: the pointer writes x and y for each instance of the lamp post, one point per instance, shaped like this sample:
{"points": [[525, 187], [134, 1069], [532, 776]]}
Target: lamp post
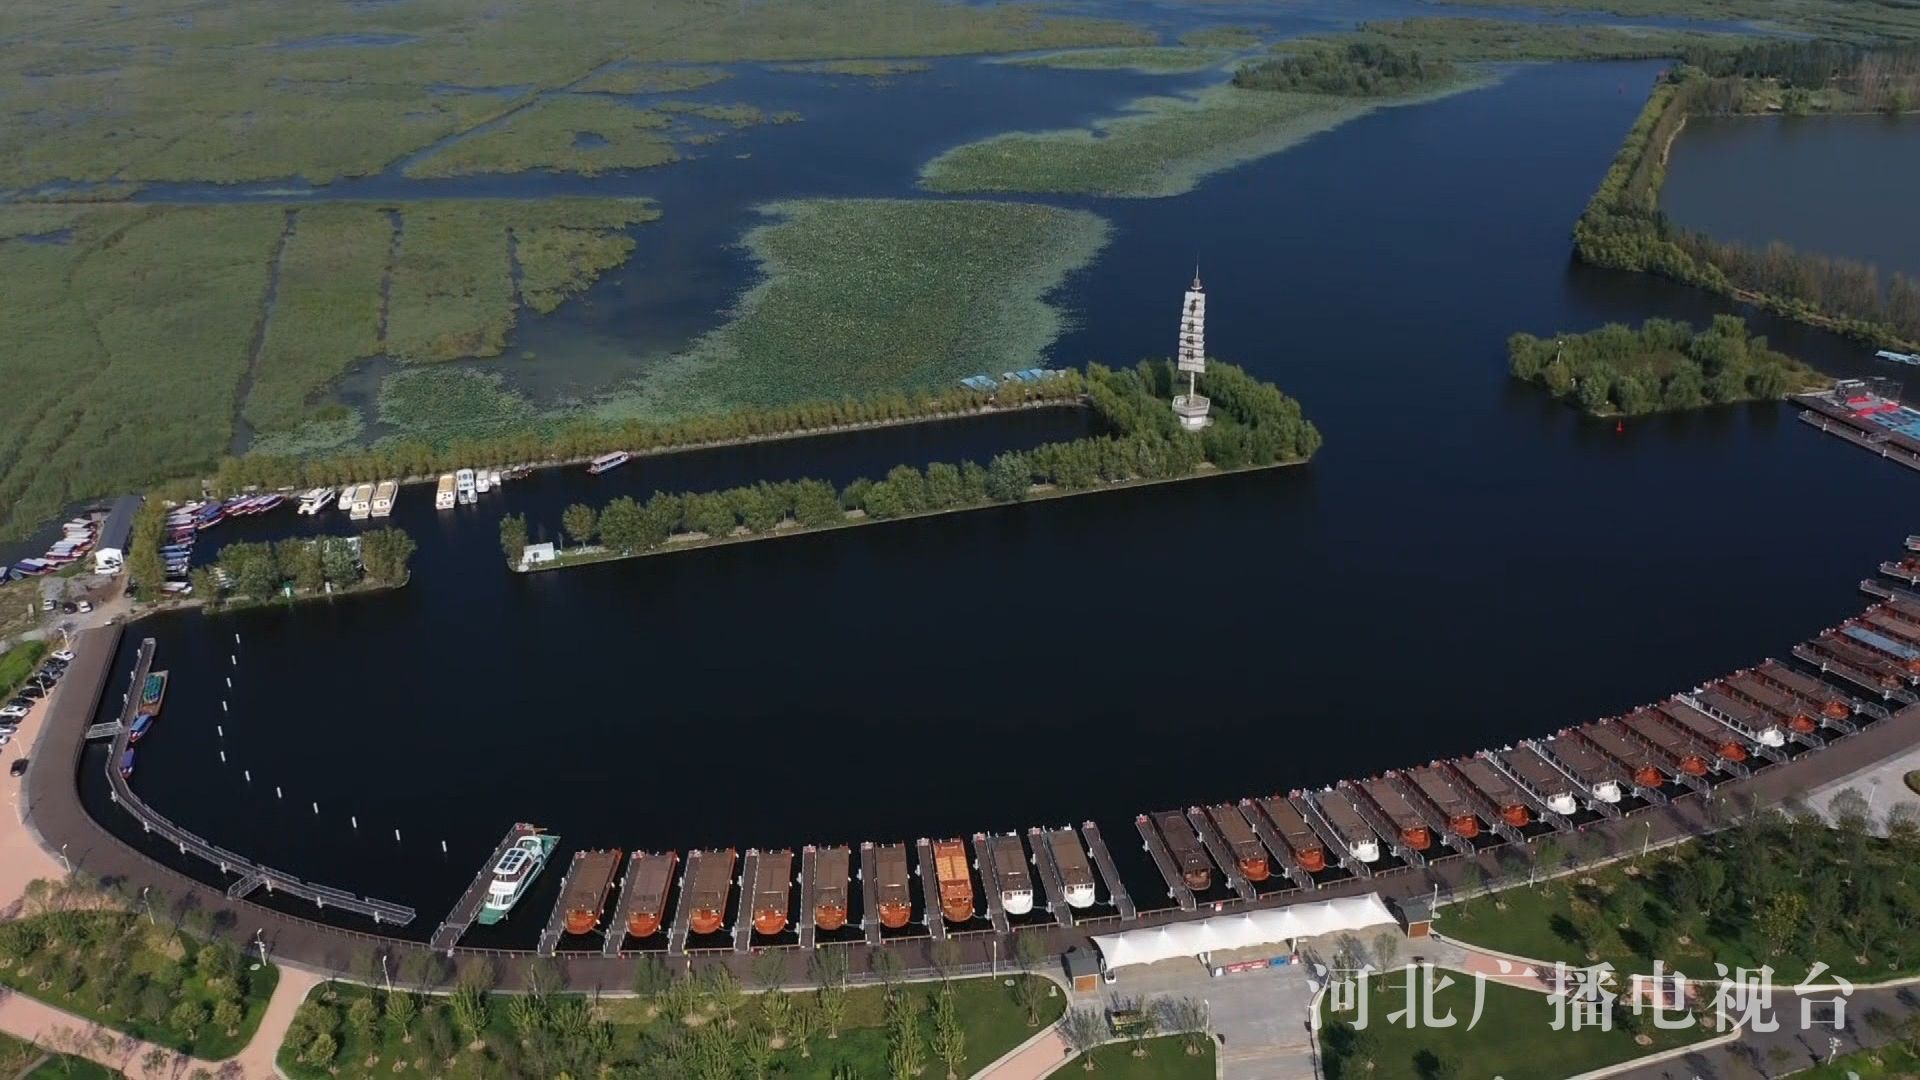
{"points": [[64, 861], [385, 974], [144, 889], [1646, 845], [261, 942]]}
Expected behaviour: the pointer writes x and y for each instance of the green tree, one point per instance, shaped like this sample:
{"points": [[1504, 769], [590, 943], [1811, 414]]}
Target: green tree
{"points": [[513, 537], [1008, 478], [623, 525], [580, 522], [402, 1007], [338, 563], [385, 553], [949, 1037], [1780, 918], [363, 1015], [228, 1015], [469, 1005], [188, 1018]]}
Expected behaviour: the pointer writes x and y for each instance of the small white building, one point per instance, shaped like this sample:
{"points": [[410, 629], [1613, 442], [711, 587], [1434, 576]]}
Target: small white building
{"points": [[535, 554]]}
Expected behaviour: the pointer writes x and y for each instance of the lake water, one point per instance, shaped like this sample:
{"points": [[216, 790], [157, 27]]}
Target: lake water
{"points": [[1466, 563], [1839, 185]]}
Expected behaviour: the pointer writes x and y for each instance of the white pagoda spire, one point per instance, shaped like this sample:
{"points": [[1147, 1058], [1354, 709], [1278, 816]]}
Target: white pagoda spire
{"points": [[1190, 407]]}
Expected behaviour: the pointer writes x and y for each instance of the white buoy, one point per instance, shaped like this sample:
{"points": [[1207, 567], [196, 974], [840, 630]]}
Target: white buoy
{"points": [[235, 660], [443, 847], [223, 757], [396, 836], [220, 730], [236, 639], [316, 808], [229, 682], [276, 792], [355, 820], [223, 701], [248, 773]]}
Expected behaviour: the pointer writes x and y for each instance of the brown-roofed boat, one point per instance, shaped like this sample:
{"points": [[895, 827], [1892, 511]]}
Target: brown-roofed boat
{"points": [[890, 874], [589, 880], [652, 880], [830, 887], [1295, 833], [956, 885], [772, 888], [1184, 845], [1245, 846], [710, 879]]}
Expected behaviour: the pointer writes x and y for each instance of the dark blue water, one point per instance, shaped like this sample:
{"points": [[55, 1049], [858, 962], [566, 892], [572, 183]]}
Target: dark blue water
{"points": [[1838, 185], [1464, 564]]}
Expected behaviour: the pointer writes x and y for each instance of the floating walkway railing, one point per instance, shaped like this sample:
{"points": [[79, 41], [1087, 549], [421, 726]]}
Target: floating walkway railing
{"points": [[251, 875]]}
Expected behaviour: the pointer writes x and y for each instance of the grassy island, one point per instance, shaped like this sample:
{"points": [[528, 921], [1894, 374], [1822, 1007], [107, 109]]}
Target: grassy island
{"points": [[1623, 228], [677, 1027], [1662, 367], [1254, 426], [156, 978]]}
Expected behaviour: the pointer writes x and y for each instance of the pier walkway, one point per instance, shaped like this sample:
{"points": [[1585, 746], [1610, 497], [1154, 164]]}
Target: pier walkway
{"points": [[1121, 901], [1041, 840], [1281, 851], [990, 880], [869, 893], [1162, 858], [1217, 847], [749, 896], [930, 890], [809, 858], [467, 908]]}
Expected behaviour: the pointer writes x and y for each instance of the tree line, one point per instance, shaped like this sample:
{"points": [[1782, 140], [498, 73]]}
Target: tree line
{"points": [[579, 441], [1255, 424], [1357, 69], [1660, 367], [306, 566], [1623, 228]]}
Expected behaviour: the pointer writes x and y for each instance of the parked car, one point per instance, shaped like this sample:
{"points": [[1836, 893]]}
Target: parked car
{"points": [[69, 607], [86, 605], [64, 656], [46, 603]]}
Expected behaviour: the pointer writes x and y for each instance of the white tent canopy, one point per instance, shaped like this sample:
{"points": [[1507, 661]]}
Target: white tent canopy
{"points": [[1270, 926]]}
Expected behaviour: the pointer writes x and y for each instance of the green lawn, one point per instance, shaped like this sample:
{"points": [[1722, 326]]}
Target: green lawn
{"points": [[68, 1067], [1779, 900], [1513, 1039], [630, 1029], [138, 977], [17, 663], [1166, 1059], [1890, 1061]]}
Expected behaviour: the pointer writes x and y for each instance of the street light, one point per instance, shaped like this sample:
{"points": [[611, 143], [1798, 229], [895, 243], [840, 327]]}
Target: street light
{"points": [[261, 942], [64, 861], [144, 889], [384, 974], [1647, 844]]}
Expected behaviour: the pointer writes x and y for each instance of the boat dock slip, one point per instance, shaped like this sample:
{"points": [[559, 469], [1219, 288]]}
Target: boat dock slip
{"points": [[1723, 751], [643, 899], [1832, 704], [583, 897], [1156, 846], [1216, 846], [983, 854], [1277, 845], [703, 897], [869, 893], [1391, 815], [1498, 799], [1305, 848], [771, 893], [809, 858], [1604, 781], [1243, 846], [1332, 813], [1856, 666], [467, 908], [1439, 798], [1803, 701], [1056, 890], [1711, 710], [1102, 859], [1012, 874], [825, 902], [889, 888], [1557, 796], [1647, 765], [930, 890], [749, 883]]}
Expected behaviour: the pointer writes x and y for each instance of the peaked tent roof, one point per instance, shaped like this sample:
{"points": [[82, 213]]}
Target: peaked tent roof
{"points": [[1265, 927]]}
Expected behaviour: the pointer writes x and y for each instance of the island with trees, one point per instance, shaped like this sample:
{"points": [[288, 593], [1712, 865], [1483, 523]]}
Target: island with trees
{"points": [[1662, 367], [1623, 227], [301, 568], [1139, 442]]}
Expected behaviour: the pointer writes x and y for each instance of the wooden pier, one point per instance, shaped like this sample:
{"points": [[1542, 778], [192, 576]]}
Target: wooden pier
{"points": [[1217, 847], [683, 914], [990, 879], [1162, 858], [1121, 901], [1042, 843], [930, 890], [870, 894], [749, 888], [809, 858], [467, 908]]}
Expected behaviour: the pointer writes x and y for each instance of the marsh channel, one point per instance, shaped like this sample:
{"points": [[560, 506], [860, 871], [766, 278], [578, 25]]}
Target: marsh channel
{"points": [[1464, 564]]}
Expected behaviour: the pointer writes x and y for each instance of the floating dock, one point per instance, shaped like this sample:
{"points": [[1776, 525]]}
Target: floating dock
{"points": [[772, 893], [1052, 877], [583, 897], [1499, 800], [1230, 840], [826, 899], [931, 891], [643, 899], [1121, 900], [1151, 839], [1800, 719], [467, 908], [983, 856], [869, 892], [1822, 701], [749, 882]]}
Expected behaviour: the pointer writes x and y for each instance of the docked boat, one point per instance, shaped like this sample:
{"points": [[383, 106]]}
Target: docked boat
{"points": [[1439, 789], [1414, 830], [138, 729], [482, 481], [606, 462], [1245, 847], [956, 885], [515, 870], [443, 492], [1076, 873], [346, 497], [649, 880], [383, 497], [517, 472], [362, 502], [830, 868], [494, 478], [1897, 357], [153, 691], [1294, 831], [1586, 765], [889, 869], [583, 896], [1647, 765], [772, 888], [1010, 873], [1491, 784], [1343, 817], [1184, 845], [316, 500], [126, 765], [709, 880], [463, 482], [1554, 789]]}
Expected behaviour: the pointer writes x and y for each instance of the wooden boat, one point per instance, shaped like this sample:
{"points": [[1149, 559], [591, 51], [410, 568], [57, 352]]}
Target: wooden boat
{"points": [[649, 880], [956, 885], [1245, 846], [1184, 845], [772, 887], [1076, 873], [890, 876], [1294, 831], [830, 887], [1010, 873], [584, 893], [709, 880]]}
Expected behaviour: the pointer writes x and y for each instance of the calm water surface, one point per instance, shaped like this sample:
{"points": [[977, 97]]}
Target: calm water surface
{"points": [[1840, 185], [1464, 564]]}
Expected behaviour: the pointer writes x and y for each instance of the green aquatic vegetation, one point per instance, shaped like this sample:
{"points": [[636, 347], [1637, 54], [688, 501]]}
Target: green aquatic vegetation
{"points": [[1152, 60], [452, 290], [1159, 146], [556, 262], [331, 429], [737, 115], [1224, 37], [326, 308], [562, 133], [864, 295], [864, 69], [441, 403], [1352, 69], [652, 79]]}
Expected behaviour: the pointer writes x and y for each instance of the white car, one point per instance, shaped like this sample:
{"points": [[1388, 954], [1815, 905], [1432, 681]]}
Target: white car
{"points": [[13, 710], [65, 656], [85, 605]]}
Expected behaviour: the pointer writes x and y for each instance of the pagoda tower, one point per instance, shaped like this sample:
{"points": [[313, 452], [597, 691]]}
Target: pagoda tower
{"points": [[1190, 407]]}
